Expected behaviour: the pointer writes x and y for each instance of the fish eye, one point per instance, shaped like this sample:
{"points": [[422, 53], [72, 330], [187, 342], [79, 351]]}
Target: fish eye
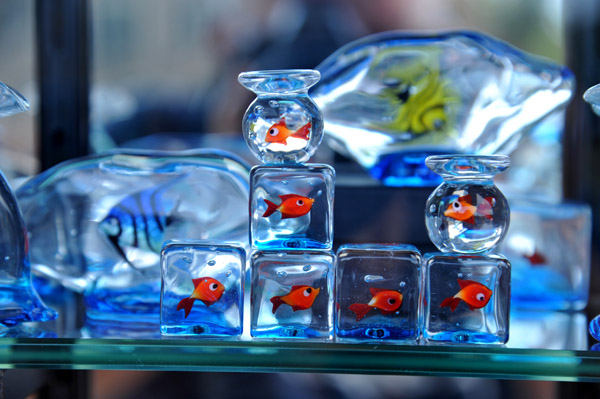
{"points": [[455, 205], [213, 286], [307, 292], [273, 131], [391, 301], [480, 297], [300, 202]]}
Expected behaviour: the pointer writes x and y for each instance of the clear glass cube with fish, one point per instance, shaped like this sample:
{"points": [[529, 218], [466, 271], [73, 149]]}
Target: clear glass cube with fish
{"points": [[549, 247], [467, 213], [202, 292], [465, 299], [377, 293], [283, 124], [292, 295], [292, 206]]}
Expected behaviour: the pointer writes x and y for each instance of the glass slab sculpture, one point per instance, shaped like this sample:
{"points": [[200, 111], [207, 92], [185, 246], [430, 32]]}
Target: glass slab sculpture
{"points": [[19, 301], [202, 292], [97, 225], [549, 248], [393, 98]]}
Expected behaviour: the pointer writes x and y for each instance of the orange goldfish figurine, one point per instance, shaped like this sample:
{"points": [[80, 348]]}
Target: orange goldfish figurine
{"points": [[299, 298], [474, 294], [292, 206], [207, 290], [279, 132], [387, 301], [462, 208]]}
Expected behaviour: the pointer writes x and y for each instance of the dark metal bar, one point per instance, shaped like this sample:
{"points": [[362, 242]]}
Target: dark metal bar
{"points": [[63, 74]]}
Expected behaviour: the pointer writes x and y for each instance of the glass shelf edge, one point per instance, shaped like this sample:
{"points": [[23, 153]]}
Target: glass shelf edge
{"points": [[239, 356]]}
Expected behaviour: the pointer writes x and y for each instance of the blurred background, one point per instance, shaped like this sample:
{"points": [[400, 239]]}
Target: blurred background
{"points": [[164, 75]]}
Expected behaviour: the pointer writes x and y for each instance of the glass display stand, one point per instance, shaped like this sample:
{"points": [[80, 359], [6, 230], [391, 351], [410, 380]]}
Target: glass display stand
{"points": [[177, 355]]}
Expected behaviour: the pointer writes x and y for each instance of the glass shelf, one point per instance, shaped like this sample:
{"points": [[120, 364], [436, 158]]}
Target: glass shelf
{"points": [[176, 355]]}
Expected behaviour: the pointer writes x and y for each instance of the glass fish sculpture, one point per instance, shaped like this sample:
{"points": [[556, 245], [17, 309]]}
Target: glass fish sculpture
{"points": [[98, 223], [391, 99]]}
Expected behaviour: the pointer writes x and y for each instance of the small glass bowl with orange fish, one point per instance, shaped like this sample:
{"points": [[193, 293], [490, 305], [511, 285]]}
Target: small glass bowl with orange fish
{"points": [[467, 213], [283, 124]]}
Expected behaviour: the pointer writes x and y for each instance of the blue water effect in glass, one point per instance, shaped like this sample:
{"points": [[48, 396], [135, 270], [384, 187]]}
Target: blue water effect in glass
{"points": [[483, 324], [595, 328], [312, 227], [365, 267], [278, 274]]}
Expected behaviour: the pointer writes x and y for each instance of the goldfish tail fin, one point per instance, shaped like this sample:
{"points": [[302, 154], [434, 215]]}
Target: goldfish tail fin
{"points": [[303, 132], [276, 301], [450, 301], [271, 207], [361, 310], [186, 304]]}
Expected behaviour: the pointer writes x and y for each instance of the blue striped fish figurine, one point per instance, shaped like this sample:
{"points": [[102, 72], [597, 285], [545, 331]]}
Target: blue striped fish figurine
{"points": [[138, 221]]}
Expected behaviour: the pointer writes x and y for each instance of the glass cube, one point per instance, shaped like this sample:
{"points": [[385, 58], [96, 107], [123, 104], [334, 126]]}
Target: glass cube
{"points": [[201, 292], [465, 298], [377, 293], [549, 247], [292, 295], [291, 206]]}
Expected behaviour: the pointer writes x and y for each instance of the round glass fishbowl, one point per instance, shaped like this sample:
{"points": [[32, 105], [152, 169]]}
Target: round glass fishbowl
{"points": [[467, 213], [283, 124]]}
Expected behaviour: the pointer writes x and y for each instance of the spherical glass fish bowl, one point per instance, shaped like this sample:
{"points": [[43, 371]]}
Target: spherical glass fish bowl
{"points": [[283, 124], [467, 213]]}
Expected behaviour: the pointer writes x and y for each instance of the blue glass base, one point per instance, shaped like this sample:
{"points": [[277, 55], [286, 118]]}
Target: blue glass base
{"points": [[290, 332], [18, 303], [407, 169], [465, 337], [291, 243], [132, 312], [382, 334], [204, 330]]}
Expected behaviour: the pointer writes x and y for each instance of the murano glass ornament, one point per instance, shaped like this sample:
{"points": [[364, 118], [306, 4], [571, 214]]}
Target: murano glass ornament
{"points": [[393, 98], [467, 213], [283, 124], [18, 300]]}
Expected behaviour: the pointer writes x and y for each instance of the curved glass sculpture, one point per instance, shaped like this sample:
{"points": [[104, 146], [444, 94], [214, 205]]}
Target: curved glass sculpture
{"points": [[97, 225], [592, 96], [467, 213], [283, 124], [393, 98], [18, 300]]}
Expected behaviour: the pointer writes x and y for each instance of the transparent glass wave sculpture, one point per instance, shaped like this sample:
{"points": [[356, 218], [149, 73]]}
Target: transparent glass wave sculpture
{"points": [[391, 99], [97, 224]]}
